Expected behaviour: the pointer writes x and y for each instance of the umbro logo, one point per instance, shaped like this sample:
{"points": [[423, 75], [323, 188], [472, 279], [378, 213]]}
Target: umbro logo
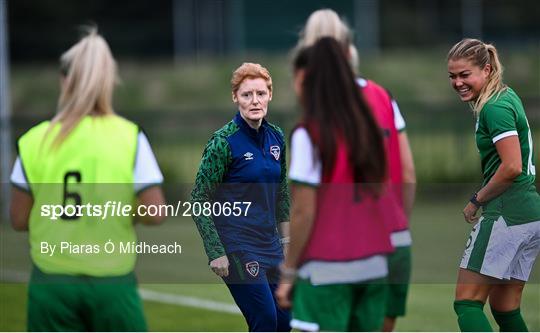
{"points": [[248, 156]]}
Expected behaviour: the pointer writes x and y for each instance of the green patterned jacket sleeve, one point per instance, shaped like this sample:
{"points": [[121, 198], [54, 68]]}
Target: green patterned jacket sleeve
{"points": [[214, 165], [284, 197]]}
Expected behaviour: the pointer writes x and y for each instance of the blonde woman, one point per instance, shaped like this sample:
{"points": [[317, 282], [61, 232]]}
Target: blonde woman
{"points": [[505, 239], [68, 173], [327, 23]]}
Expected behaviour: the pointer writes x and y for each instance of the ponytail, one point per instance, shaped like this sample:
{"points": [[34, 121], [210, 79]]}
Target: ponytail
{"points": [[89, 74], [494, 85], [334, 109]]}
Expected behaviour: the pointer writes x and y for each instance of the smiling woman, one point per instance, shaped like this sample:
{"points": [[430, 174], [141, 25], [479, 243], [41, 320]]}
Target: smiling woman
{"points": [[467, 79], [510, 219], [475, 72], [244, 162]]}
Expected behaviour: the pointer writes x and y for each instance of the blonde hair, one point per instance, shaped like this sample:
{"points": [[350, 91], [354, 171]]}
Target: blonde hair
{"points": [[354, 60], [89, 75], [327, 23], [324, 23], [250, 70], [481, 54]]}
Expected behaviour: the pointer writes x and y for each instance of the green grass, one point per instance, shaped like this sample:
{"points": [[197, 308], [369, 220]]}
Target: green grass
{"points": [[159, 316], [163, 317], [429, 309], [12, 307]]}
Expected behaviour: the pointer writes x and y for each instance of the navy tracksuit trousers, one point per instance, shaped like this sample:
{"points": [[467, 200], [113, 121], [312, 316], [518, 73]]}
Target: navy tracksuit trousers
{"points": [[252, 282]]}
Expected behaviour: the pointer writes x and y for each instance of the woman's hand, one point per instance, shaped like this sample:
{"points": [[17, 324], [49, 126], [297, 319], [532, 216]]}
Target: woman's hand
{"points": [[220, 266], [285, 287], [283, 294], [469, 212]]}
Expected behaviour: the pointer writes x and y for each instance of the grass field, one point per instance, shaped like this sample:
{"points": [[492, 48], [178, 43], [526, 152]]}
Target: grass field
{"points": [[439, 236]]}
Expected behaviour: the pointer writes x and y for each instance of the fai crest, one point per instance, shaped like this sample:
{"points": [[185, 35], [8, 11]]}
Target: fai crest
{"points": [[252, 268], [275, 151]]}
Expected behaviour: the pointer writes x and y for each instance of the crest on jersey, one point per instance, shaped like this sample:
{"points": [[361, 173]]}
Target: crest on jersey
{"points": [[252, 268], [275, 151]]}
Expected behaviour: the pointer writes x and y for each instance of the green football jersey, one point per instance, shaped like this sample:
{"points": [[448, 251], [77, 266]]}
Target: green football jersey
{"points": [[503, 116]]}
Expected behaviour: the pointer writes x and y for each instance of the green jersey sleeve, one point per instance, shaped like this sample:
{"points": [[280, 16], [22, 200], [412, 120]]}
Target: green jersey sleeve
{"points": [[500, 120], [214, 165], [284, 197]]}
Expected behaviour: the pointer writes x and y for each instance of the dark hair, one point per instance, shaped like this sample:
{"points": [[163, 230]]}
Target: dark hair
{"points": [[334, 107], [301, 58]]}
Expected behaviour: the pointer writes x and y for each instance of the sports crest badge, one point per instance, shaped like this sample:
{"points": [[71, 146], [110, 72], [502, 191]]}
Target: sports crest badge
{"points": [[275, 151], [252, 268]]}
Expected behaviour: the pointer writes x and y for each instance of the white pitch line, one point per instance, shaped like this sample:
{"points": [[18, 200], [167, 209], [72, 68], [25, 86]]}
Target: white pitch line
{"points": [[147, 295], [194, 302]]}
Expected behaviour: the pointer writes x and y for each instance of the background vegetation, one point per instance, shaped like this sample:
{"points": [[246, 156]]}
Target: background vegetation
{"points": [[180, 104]]}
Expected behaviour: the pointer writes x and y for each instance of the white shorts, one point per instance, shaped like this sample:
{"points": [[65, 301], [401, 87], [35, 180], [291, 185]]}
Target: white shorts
{"points": [[501, 251]]}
